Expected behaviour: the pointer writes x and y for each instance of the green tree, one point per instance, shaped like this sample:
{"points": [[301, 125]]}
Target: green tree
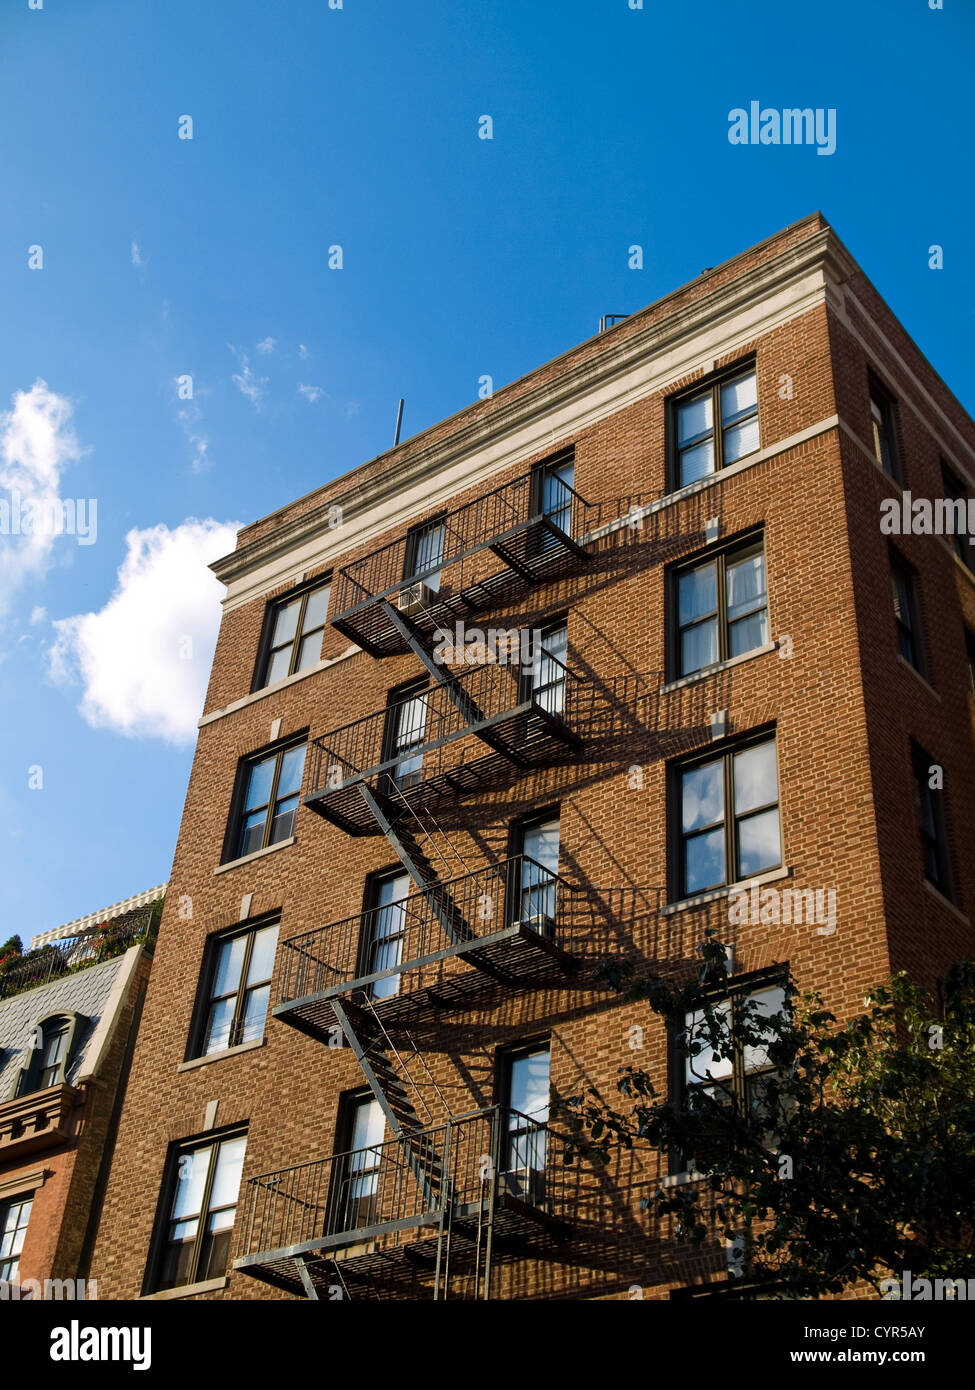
{"points": [[854, 1159]]}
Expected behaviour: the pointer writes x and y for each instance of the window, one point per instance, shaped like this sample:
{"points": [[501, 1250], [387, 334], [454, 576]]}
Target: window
{"points": [[203, 1182], [710, 1062], [406, 723], [884, 425], [553, 488], [385, 930], [268, 800], [957, 495], [929, 804], [425, 552], [46, 1059], [714, 426], [906, 611], [354, 1198], [721, 607], [14, 1217], [525, 1081], [537, 842], [546, 677], [728, 817], [294, 632], [239, 971]]}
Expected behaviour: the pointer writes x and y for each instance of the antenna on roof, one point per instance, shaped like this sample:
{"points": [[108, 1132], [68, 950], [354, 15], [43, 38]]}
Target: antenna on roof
{"points": [[399, 421], [608, 320]]}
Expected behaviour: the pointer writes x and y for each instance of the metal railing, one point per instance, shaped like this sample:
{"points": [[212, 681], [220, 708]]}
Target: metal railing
{"points": [[339, 1199], [505, 510], [71, 954], [377, 946], [378, 742]]}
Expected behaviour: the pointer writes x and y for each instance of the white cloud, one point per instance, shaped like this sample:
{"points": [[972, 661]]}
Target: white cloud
{"points": [[37, 615], [312, 393], [36, 445], [303, 352], [267, 345], [138, 260], [144, 658], [351, 409], [246, 382]]}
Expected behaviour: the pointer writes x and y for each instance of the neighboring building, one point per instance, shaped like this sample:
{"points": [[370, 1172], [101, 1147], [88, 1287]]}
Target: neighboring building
{"points": [[397, 875], [69, 1010]]}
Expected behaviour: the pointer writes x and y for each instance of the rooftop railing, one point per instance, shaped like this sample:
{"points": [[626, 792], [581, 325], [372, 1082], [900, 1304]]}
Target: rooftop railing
{"points": [[65, 957]]}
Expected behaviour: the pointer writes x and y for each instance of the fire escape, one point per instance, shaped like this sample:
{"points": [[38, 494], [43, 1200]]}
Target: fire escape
{"points": [[442, 1193]]}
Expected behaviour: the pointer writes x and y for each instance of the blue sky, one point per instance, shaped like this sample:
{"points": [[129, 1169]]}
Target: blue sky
{"points": [[314, 127]]}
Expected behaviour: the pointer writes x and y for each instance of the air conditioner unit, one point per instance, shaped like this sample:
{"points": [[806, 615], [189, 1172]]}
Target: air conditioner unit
{"points": [[415, 597], [541, 923]]}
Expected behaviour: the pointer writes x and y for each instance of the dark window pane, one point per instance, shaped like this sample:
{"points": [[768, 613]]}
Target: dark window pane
{"points": [[697, 594], [259, 783], [316, 609], [704, 861], [759, 845], [279, 665], [286, 624], [755, 777], [292, 767], [310, 651], [702, 796]]}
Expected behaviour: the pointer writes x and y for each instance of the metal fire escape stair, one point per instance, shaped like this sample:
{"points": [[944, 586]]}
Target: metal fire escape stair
{"points": [[396, 1090]]}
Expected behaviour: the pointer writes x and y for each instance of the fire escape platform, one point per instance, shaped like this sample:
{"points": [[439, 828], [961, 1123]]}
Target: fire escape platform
{"points": [[397, 1252], [516, 956], [532, 551], [520, 737]]}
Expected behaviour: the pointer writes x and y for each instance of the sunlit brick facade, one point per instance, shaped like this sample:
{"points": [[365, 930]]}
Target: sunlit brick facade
{"points": [[396, 878]]}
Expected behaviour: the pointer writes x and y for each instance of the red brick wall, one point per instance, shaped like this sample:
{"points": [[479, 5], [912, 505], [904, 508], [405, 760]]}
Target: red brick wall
{"points": [[847, 818]]}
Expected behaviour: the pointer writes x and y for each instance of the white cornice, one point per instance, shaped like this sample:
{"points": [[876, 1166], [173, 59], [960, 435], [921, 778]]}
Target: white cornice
{"points": [[626, 370]]}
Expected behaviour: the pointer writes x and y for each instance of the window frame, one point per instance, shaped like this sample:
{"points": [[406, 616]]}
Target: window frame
{"points": [[505, 1058], [19, 1199], [164, 1207], [733, 990], [396, 701], [921, 763], [31, 1069], [368, 941], [724, 751], [208, 974], [337, 1204], [235, 820], [528, 690], [734, 549], [713, 383], [956, 491], [541, 471], [413, 538], [265, 651], [516, 888], [886, 404], [901, 568]]}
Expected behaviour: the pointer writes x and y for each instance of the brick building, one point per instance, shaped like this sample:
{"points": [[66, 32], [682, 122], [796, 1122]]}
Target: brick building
{"points": [[69, 1012], [401, 862]]}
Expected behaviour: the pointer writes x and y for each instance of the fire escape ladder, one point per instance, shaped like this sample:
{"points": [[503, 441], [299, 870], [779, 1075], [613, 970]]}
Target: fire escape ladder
{"points": [[390, 1082], [419, 867], [428, 827], [465, 705]]}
